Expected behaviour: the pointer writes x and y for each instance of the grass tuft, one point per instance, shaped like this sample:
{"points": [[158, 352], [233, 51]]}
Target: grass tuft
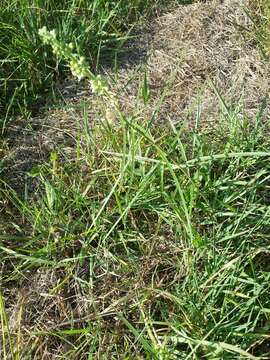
{"points": [[98, 28], [152, 241]]}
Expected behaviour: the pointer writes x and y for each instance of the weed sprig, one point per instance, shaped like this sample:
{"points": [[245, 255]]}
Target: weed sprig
{"points": [[77, 63]]}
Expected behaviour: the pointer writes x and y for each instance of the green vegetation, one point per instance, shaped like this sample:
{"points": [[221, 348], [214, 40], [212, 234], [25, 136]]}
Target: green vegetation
{"points": [[145, 241], [96, 27], [169, 229]]}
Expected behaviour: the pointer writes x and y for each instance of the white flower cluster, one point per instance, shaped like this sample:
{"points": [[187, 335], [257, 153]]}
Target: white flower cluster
{"points": [[78, 65], [46, 35], [99, 85], [59, 49]]}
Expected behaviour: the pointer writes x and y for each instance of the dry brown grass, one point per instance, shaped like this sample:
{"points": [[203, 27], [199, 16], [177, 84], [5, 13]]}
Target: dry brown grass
{"points": [[200, 42]]}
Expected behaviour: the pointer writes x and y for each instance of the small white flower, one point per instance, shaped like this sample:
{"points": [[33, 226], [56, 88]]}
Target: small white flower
{"points": [[81, 60], [99, 85], [42, 31], [53, 34]]}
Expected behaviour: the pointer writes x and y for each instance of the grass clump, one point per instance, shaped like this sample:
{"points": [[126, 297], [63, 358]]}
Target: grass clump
{"points": [[96, 27], [153, 240]]}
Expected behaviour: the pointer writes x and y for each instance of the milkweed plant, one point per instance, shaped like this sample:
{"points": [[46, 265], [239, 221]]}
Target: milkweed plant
{"points": [[77, 64]]}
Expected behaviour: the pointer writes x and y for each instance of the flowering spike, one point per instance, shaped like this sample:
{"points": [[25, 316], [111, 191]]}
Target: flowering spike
{"points": [[78, 65]]}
